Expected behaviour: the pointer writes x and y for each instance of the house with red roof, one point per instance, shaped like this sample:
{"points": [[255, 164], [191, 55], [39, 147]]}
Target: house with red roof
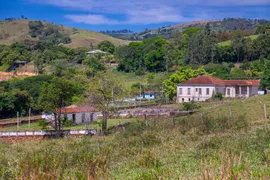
{"points": [[78, 114], [205, 87]]}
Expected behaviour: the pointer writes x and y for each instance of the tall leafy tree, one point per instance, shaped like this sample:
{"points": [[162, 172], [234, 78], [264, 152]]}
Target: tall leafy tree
{"points": [[56, 95], [106, 46], [183, 74], [201, 47], [238, 44], [265, 79]]}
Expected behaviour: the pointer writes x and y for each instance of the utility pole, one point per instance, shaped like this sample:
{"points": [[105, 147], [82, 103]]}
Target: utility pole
{"points": [[112, 98], [17, 120], [140, 92], [29, 117]]}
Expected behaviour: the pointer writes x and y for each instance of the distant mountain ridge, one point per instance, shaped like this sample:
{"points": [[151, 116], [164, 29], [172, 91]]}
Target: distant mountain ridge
{"points": [[226, 24]]}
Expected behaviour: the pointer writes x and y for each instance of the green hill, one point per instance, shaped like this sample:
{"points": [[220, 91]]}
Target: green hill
{"points": [[18, 30]]}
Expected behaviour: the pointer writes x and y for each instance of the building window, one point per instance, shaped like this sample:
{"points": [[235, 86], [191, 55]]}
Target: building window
{"points": [[188, 99], [228, 92], [200, 90], [188, 91], [180, 91], [198, 99], [217, 90], [74, 118], [196, 89], [183, 100], [207, 91]]}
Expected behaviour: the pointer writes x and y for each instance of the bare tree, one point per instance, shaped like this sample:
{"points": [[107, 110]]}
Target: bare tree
{"points": [[104, 89]]}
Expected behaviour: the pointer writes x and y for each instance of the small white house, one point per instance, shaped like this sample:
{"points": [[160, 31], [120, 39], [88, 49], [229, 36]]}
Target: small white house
{"points": [[79, 114], [205, 87]]}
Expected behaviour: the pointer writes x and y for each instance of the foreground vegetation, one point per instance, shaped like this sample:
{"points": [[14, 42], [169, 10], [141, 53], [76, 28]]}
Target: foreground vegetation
{"points": [[207, 147]]}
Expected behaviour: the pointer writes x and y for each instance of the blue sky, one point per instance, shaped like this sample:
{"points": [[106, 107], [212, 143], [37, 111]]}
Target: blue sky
{"points": [[131, 14]]}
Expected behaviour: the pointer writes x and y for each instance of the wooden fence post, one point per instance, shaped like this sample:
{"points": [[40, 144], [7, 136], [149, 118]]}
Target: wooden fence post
{"points": [[173, 122], [201, 116], [265, 113], [146, 122], [231, 113]]}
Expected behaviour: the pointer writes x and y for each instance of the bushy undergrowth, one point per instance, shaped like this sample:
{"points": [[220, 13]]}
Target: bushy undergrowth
{"points": [[197, 147], [188, 106]]}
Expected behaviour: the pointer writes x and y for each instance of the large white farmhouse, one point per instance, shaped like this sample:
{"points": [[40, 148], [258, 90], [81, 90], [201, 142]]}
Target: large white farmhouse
{"points": [[204, 87]]}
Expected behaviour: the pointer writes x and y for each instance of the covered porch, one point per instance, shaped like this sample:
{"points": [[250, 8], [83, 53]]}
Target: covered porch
{"points": [[242, 91]]}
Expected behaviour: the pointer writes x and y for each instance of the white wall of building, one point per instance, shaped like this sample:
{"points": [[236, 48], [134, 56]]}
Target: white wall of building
{"points": [[197, 93], [227, 91], [79, 117]]}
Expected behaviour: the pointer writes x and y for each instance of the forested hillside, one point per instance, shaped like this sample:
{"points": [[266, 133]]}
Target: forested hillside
{"points": [[225, 25], [196, 47]]}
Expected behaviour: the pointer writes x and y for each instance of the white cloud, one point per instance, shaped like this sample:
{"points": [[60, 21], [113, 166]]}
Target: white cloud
{"points": [[156, 15], [92, 19], [151, 16]]}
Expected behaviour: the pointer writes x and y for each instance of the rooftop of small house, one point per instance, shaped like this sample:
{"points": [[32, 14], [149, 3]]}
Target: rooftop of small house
{"points": [[75, 109], [149, 92], [97, 51]]}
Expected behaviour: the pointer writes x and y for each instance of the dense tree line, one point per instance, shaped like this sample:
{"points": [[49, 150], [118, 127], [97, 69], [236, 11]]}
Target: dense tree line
{"points": [[40, 53], [64, 67], [142, 56], [122, 31], [194, 47], [37, 93]]}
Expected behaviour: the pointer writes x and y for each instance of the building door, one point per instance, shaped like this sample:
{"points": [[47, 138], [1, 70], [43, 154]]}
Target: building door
{"points": [[83, 118], [74, 118]]}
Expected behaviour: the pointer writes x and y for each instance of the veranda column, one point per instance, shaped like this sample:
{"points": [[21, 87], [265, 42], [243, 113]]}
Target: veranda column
{"points": [[247, 91], [240, 91]]}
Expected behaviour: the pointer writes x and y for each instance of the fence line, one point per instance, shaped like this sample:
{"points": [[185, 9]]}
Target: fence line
{"points": [[48, 133]]}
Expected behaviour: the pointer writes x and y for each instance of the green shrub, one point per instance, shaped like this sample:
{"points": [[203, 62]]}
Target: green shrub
{"points": [[68, 123], [218, 96], [42, 123], [139, 72], [231, 65], [188, 106]]}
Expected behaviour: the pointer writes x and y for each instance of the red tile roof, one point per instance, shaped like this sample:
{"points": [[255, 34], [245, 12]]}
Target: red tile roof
{"points": [[76, 109], [214, 80], [149, 92], [204, 80], [242, 82]]}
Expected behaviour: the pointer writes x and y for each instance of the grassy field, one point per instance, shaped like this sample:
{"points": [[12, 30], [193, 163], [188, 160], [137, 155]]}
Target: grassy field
{"points": [[252, 108], [209, 147], [16, 31], [130, 78], [228, 43]]}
